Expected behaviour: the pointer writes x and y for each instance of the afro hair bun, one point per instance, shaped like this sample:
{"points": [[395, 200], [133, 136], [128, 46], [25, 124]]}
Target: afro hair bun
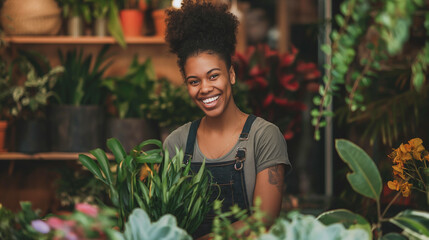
{"points": [[201, 26]]}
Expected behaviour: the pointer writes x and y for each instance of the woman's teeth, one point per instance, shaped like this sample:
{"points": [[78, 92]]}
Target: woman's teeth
{"points": [[210, 100]]}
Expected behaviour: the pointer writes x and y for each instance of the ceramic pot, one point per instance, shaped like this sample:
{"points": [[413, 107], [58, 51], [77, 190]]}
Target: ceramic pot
{"points": [[75, 26], [131, 131], [3, 127], [31, 17], [132, 22], [159, 22], [32, 136], [76, 128], [100, 27]]}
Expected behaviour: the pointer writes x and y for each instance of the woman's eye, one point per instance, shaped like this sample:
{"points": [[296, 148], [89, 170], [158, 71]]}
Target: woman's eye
{"points": [[214, 76], [193, 82]]}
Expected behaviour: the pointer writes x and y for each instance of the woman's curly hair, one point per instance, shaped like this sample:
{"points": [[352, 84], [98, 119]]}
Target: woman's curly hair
{"points": [[201, 26]]}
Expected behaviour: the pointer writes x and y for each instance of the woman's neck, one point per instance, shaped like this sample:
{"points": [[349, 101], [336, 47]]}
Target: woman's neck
{"points": [[231, 117]]}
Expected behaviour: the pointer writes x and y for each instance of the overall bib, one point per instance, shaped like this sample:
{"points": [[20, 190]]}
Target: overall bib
{"points": [[228, 175]]}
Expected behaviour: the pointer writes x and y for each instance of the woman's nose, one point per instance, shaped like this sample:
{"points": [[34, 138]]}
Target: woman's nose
{"points": [[206, 86]]}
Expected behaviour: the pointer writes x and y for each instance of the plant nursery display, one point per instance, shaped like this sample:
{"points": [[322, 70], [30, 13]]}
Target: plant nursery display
{"points": [[276, 83], [380, 54], [153, 181]]}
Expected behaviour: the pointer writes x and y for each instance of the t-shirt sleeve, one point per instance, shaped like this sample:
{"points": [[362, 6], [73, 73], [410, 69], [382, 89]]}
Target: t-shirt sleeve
{"points": [[177, 139], [271, 149]]}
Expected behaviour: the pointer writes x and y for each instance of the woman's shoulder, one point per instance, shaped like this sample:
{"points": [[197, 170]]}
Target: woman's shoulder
{"points": [[178, 137], [262, 126]]}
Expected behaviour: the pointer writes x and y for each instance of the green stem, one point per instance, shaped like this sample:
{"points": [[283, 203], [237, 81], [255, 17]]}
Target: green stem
{"points": [[390, 204]]}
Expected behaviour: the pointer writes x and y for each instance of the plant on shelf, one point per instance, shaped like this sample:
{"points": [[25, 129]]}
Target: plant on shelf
{"points": [[153, 181], [132, 99], [276, 85], [131, 93], [82, 81], [172, 106], [5, 89], [377, 74], [107, 10], [75, 11]]}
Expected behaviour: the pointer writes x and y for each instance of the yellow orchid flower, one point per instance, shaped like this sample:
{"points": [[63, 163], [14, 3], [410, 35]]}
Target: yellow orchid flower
{"points": [[406, 189], [144, 172], [393, 185], [415, 142]]}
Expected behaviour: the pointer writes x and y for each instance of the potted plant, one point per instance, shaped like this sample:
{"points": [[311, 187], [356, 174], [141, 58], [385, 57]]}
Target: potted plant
{"points": [[132, 97], [131, 18], [5, 100], [171, 107], [76, 11], [106, 16], [158, 15], [77, 117], [29, 102]]}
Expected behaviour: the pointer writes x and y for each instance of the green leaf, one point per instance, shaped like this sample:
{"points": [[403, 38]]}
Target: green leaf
{"points": [[393, 236], [114, 24], [104, 163], [92, 167], [149, 142], [365, 178], [345, 217], [151, 158], [117, 149], [415, 223]]}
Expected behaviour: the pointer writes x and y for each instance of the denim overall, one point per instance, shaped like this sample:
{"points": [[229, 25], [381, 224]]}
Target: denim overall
{"points": [[228, 175]]}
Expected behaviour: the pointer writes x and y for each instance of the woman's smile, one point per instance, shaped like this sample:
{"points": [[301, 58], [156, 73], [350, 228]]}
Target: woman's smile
{"points": [[210, 101]]}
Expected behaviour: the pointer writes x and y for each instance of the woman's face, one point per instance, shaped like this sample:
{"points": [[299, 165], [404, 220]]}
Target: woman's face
{"points": [[209, 82]]}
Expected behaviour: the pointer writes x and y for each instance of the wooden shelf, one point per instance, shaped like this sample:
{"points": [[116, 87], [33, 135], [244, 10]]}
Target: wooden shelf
{"points": [[66, 156], [81, 40]]}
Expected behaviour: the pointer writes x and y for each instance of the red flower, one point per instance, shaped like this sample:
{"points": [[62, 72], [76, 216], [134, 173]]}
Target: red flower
{"points": [[313, 74], [256, 71], [268, 100], [288, 134], [287, 82], [281, 101], [261, 81], [269, 52], [286, 59], [304, 67]]}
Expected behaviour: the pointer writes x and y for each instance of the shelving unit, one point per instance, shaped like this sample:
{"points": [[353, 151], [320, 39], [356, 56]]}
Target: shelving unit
{"points": [[81, 40], [54, 156]]}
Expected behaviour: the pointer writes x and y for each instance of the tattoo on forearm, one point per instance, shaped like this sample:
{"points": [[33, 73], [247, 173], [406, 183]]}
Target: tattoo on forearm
{"points": [[275, 176]]}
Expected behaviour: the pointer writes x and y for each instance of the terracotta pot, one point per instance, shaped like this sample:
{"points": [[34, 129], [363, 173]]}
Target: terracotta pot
{"points": [[132, 22], [159, 21], [31, 17], [3, 127]]}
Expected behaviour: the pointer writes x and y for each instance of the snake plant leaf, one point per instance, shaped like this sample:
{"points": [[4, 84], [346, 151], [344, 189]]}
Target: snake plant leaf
{"points": [[117, 149], [114, 25], [104, 163], [365, 178], [349, 219], [92, 167], [414, 223]]}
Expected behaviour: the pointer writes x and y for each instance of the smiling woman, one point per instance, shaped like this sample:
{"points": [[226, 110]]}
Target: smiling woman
{"points": [[246, 155]]}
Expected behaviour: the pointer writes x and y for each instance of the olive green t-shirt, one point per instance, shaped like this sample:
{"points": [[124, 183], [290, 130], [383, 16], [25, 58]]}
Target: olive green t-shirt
{"points": [[265, 147]]}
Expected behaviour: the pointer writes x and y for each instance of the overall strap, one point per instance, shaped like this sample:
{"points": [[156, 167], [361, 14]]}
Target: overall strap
{"points": [[190, 142], [240, 156]]}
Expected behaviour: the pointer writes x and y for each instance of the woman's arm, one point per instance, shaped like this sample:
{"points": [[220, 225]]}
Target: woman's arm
{"points": [[268, 187]]}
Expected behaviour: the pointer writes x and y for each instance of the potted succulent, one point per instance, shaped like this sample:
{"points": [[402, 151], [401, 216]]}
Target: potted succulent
{"points": [[106, 15], [132, 96], [29, 107], [77, 118], [76, 11]]}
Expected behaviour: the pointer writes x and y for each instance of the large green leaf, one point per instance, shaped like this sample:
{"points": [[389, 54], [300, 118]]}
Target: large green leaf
{"points": [[104, 163], [349, 219], [92, 167], [117, 149], [393, 236], [365, 178], [414, 223]]}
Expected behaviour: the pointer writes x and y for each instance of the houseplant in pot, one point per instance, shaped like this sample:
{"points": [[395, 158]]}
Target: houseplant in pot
{"points": [[29, 107], [132, 96], [76, 12], [158, 15], [5, 100], [77, 118], [131, 18], [106, 15]]}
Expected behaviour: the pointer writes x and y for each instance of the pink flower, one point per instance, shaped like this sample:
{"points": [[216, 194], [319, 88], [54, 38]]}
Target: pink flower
{"points": [[281, 101], [55, 222], [87, 209]]}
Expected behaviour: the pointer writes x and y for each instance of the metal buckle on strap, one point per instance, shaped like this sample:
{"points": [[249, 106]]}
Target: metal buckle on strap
{"points": [[244, 137], [186, 158], [240, 157]]}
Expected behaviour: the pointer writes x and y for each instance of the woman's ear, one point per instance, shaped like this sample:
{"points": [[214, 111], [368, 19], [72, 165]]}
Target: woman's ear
{"points": [[232, 75]]}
